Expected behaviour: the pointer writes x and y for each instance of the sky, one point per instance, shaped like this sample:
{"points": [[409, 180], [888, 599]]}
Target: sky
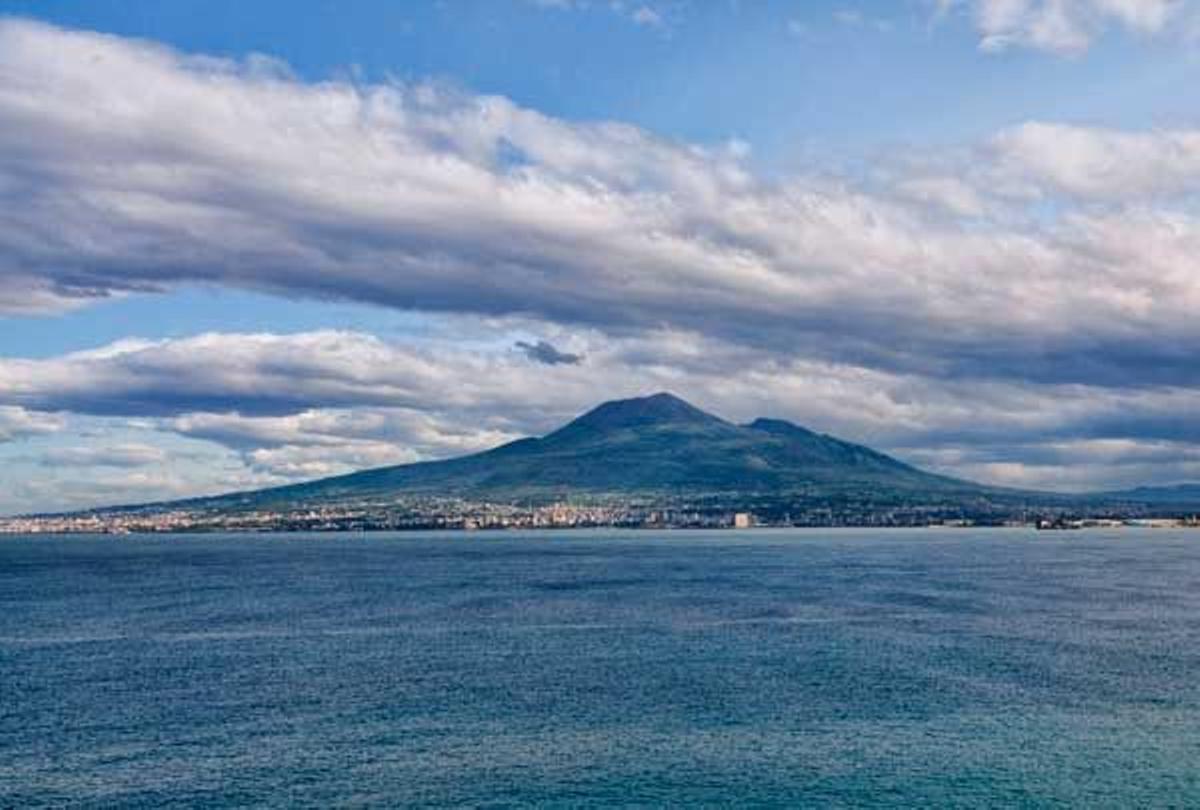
{"points": [[249, 244]]}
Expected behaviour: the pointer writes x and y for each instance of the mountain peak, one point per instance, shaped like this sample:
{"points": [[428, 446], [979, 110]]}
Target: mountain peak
{"points": [[654, 409]]}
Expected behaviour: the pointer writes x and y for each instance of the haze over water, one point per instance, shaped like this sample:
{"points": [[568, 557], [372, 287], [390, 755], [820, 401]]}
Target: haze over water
{"points": [[831, 667]]}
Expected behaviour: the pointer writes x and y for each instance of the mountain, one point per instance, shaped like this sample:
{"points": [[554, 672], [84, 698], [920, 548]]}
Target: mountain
{"points": [[658, 444], [654, 460]]}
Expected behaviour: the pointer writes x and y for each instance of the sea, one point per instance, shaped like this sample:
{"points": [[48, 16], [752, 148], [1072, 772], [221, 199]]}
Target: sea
{"points": [[762, 668]]}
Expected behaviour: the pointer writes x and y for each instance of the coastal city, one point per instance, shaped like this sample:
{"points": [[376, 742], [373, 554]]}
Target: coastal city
{"points": [[431, 514]]}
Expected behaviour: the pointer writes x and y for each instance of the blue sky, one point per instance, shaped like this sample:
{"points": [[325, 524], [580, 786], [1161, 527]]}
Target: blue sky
{"points": [[958, 230]]}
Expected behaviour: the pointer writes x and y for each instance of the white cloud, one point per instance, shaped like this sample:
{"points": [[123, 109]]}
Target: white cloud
{"points": [[72, 488], [1064, 27], [306, 462], [321, 442], [1095, 164], [17, 423], [1080, 465], [416, 197], [644, 15], [951, 194], [356, 401]]}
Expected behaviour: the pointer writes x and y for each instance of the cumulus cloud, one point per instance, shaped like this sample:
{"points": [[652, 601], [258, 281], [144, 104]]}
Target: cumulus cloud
{"points": [[1064, 27], [418, 197], [1101, 165]]}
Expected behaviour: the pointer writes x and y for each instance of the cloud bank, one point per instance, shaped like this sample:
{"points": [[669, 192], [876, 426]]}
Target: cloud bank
{"points": [[422, 198], [353, 401]]}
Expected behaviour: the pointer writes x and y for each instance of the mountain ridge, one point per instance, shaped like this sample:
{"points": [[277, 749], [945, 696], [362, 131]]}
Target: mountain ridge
{"points": [[658, 443]]}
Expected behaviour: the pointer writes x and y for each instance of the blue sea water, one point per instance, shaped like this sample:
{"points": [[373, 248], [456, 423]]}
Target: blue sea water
{"points": [[765, 668]]}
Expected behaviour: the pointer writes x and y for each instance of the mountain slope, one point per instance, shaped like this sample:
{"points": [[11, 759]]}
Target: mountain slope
{"points": [[655, 444]]}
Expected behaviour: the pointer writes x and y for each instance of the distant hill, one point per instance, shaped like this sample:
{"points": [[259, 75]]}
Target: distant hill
{"points": [[1181, 495], [655, 444]]}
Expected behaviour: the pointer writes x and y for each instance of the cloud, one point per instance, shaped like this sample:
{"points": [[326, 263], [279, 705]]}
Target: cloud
{"points": [[353, 400], [854, 18], [950, 194], [644, 15], [1099, 165], [70, 488], [419, 197], [321, 442], [1075, 465], [18, 423], [120, 455], [276, 380], [306, 462], [1063, 27], [544, 352], [272, 375]]}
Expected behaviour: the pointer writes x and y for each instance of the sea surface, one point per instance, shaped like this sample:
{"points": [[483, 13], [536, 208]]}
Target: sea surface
{"points": [[970, 668]]}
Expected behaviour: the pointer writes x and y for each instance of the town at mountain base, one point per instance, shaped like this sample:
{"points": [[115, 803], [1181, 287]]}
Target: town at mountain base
{"points": [[654, 461]]}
